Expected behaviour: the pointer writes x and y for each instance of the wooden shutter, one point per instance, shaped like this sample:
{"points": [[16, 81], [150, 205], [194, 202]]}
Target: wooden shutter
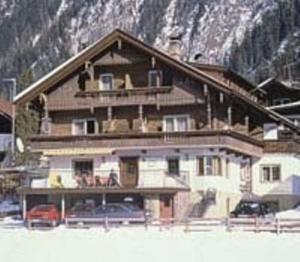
{"points": [[201, 166]]}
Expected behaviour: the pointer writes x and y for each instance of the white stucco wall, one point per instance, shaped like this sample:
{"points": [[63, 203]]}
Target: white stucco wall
{"points": [[290, 175], [153, 166]]}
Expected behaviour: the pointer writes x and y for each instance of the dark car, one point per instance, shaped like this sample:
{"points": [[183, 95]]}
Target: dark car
{"points": [[120, 213], [250, 209], [114, 213], [80, 210]]}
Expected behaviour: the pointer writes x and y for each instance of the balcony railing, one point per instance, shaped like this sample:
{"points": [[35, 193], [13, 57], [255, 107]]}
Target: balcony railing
{"points": [[164, 95], [223, 139]]}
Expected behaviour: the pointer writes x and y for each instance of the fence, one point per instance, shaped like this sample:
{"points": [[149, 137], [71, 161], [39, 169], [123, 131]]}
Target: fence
{"points": [[198, 224]]}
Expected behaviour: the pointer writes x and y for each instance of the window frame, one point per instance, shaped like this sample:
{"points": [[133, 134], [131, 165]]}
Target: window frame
{"points": [[85, 121], [74, 161], [175, 122], [170, 159], [216, 164], [271, 180], [281, 101], [159, 80], [101, 84]]}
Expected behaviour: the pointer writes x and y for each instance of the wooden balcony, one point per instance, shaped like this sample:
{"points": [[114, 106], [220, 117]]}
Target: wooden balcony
{"points": [[164, 95], [223, 139], [282, 146]]}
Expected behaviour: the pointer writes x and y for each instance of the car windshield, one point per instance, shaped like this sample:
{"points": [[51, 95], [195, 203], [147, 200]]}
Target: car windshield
{"points": [[132, 207], [249, 205], [110, 208]]}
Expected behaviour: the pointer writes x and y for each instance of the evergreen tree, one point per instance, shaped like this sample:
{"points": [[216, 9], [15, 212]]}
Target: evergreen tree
{"points": [[27, 121]]}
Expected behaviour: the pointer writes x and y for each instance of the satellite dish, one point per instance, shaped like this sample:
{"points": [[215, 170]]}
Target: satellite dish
{"points": [[20, 145]]}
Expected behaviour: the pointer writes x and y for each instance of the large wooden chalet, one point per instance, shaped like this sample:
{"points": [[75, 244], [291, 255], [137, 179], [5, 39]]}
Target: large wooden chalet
{"points": [[182, 138]]}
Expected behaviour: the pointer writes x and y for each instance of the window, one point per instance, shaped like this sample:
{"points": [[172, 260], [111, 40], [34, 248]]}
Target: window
{"points": [[154, 78], [84, 127], [83, 167], [176, 123], [209, 166], [173, 166], [106, 81], [270, 173], [270, 131]]}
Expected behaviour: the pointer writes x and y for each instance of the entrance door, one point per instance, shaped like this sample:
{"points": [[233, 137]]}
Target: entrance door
{"points": [[166, 206], [129, 171]]}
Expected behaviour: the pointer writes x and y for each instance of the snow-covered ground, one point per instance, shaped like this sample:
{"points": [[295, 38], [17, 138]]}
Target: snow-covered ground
{"points": [[289, 214], [137, 244]]}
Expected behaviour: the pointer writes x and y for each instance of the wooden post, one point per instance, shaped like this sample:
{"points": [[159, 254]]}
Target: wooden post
{"points": [[63, 207], [119, 44], [277, 226], [24, 204], [228, 224], [209, 114], [256, 225], [153, 61], [247, 124], [109, 113], [229, 116], [103, 199], [141, 112]]}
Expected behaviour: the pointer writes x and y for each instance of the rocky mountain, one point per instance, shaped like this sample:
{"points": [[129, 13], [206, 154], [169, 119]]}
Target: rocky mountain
{"points": [[257, 38]]}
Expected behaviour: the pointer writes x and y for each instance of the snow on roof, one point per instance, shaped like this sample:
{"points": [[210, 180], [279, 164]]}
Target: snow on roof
{"points": [[284, 106]]}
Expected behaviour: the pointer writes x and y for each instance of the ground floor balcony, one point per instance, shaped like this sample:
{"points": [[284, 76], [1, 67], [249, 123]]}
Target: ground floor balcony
{"points": [[110, 143]]}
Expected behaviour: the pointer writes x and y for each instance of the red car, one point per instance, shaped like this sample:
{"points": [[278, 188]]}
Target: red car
{"points": [[43, 214]]}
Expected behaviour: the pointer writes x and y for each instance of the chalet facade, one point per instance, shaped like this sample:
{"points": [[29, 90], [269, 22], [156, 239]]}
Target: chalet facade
{"points": [[5, 128], [181, 140]]}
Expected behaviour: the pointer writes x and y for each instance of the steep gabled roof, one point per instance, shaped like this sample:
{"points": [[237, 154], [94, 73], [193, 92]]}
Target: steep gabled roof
{"points": [[78, 60]]}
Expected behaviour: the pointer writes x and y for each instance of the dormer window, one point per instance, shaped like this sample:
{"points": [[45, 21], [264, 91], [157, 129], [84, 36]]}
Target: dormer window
{"points": [[154, 78], [106, 82]]}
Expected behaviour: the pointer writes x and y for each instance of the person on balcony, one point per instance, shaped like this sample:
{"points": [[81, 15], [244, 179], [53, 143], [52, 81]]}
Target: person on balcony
{"points": [[113, 179]]}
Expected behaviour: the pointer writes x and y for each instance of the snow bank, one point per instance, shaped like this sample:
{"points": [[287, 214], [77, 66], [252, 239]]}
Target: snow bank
{"points": [[137, 244], [289, 214]]}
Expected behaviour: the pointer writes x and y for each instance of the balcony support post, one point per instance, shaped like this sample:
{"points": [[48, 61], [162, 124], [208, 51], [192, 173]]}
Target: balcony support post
{"points": [[229, 116], [63, 207], [141, 113], [247, 124], [24, 206], [109, 113]]}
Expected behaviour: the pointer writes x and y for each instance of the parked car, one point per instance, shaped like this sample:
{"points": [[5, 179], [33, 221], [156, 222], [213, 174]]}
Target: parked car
{"points": [[118, 212], [80, 210], [250, 209], [43, 214]]}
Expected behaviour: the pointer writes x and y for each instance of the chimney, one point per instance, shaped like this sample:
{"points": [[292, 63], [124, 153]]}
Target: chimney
{"points": [[175, 45]]}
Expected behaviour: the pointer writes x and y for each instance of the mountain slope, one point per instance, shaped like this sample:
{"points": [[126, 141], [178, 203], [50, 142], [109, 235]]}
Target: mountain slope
{"points": [[257, 38]]}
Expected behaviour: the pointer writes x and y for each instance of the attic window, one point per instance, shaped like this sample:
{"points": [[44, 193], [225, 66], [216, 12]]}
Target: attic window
{"points": [[106, 81], [154, 78]]}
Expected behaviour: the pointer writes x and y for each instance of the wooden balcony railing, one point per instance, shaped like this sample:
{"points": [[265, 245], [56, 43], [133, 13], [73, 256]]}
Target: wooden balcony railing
{"points": [[165, 95], [223, 139]]}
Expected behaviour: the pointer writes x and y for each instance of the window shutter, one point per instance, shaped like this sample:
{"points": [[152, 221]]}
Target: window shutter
{"points": [[201, 166]]}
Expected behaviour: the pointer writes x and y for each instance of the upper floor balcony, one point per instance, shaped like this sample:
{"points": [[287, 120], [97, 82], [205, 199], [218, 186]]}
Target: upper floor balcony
{"points": [[72, 144]]}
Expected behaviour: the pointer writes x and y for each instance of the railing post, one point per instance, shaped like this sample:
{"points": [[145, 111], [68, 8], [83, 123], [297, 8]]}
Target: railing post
{"points": [[277, 226], [256, 225], [228, 224], [106, 225]]}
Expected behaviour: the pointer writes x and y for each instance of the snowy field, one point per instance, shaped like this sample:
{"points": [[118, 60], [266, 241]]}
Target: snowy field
{"points": [[137, 244]]}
